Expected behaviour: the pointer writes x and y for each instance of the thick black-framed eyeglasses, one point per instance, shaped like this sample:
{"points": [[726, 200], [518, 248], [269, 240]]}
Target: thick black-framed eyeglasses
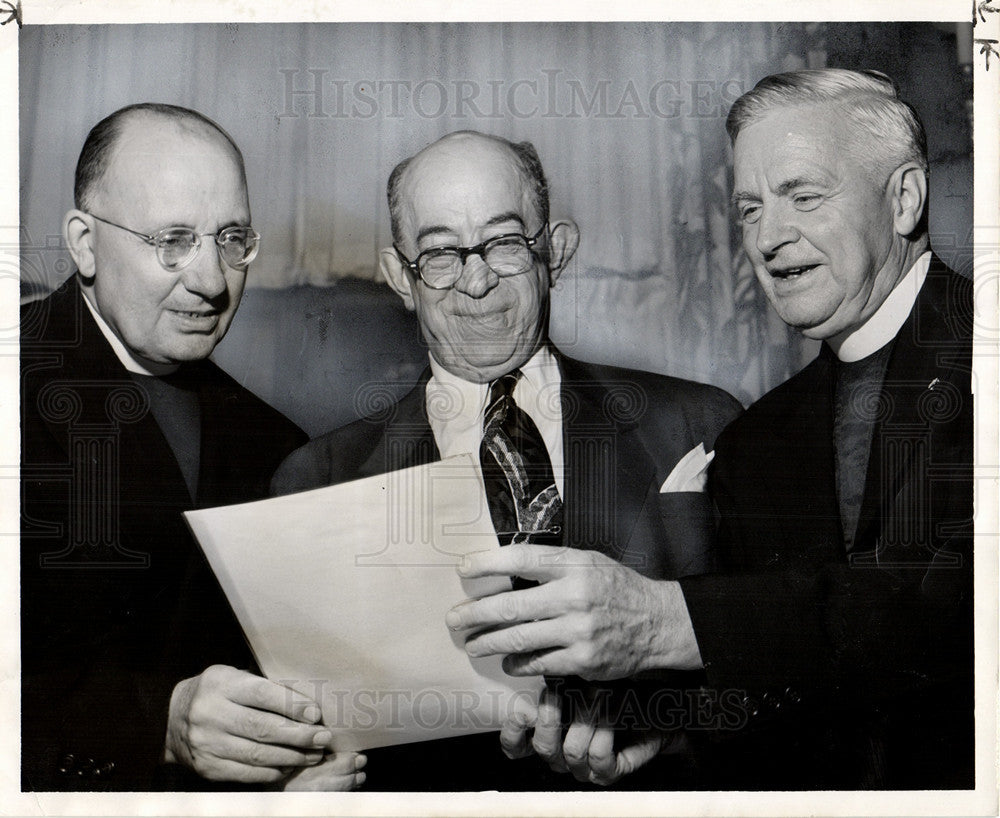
{"points": [[176, 247], [508, 255]]}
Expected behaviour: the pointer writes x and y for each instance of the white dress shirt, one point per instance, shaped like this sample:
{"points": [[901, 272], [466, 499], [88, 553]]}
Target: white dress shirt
{"points": [[455, 408], [883, 325]]}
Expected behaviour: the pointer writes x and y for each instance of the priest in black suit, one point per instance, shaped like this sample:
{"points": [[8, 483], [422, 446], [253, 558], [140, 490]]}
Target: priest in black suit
{"points": [[600, 453], [839, 626], [133, 666]]}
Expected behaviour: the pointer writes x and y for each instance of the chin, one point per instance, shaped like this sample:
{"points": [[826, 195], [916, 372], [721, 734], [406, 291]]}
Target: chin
{"points": [[483, 353], [807, 321], [189, 353], [823, 329]]}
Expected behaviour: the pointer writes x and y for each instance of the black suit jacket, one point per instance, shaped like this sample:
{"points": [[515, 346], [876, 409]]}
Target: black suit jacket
{"points": [[850, 672], [623, 433], [117, 604]]}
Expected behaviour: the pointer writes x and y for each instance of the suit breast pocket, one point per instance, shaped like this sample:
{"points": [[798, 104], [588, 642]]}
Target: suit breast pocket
{"points": [[689, 532]]}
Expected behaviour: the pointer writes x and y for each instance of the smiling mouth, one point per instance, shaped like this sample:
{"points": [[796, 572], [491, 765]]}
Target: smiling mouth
{"points": [[483, 313], [195, 314], [785, 273]]}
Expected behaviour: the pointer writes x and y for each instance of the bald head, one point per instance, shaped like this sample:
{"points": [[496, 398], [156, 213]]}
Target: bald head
{"points": [[147, 118], [464, 146]]}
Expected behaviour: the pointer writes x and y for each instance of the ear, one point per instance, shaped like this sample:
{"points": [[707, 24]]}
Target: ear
{"points": [[396, 274], [78, 233], [908, 188], [564, 236]]}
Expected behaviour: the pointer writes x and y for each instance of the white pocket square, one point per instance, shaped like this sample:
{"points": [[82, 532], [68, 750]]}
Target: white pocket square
{"points": [[690, 473]]}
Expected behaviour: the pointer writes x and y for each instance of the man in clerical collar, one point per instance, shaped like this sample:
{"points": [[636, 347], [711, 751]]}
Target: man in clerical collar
{"points": [[837, 636], [586, 456], [125, 425]]}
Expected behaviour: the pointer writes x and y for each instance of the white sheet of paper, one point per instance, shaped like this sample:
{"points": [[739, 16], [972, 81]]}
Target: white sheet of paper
{"points": [[342, 592]]}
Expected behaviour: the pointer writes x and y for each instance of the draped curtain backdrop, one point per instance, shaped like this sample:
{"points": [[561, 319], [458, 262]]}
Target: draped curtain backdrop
{"points": [[627, 118]]}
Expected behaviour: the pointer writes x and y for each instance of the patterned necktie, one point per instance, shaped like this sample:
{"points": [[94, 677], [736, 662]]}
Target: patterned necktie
{"points": [[524, 502]]}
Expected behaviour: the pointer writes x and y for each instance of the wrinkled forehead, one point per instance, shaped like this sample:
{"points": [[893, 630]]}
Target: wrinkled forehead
{"points": [[465, 178], [796, 128], [805, 143]]}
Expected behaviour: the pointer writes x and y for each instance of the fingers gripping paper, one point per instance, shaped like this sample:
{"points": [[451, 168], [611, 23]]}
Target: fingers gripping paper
{"points": [[342, 592]]}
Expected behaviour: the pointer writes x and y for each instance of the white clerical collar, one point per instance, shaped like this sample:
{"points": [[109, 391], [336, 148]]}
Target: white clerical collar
{"points": [[883, 325], [128, 360]]}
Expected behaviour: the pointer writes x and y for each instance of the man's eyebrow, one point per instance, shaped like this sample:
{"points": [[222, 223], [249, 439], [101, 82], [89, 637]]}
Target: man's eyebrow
{"points": [[782, 190], [192, 226], [509, 216], [800, 181], [502, 218], [184, 223], [433, 229]]}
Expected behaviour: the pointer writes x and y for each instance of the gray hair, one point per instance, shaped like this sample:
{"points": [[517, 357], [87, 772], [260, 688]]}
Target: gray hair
{"points": [[528, 162], [887, 126]]}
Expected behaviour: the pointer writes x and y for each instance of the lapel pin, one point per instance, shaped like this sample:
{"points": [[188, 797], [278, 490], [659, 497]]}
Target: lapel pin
{"points": [[933, 383]]}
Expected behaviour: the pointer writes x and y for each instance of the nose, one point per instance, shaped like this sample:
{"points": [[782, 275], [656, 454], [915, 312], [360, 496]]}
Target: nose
{"points": [[205, 274], [477, 277], [774, 229]]}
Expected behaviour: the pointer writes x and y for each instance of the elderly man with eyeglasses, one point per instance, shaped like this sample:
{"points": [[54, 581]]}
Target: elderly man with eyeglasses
{"points": [[572, 453], [126, 424]]}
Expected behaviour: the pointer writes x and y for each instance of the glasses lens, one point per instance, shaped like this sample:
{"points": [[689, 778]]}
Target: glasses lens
{"points": [[176, 246], [440, 268], [238, 245], [508, 256]]}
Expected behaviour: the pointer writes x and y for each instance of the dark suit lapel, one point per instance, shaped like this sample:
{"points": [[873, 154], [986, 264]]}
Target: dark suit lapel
{"points": [[608, 473], [803, 487], [925, 357], [407, 438], [150, 479], [114, 419], [228, 470], [221, 440], [635, 483]]}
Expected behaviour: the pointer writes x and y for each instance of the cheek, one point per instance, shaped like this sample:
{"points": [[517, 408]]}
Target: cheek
{"points": [[235, 284], [533, 298], [749, 233], [851, 263], [435, 321], [124, 298], [763, 277], [852, 237]]}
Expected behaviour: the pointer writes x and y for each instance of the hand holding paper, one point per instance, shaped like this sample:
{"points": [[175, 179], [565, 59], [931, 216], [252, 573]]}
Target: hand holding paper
{"points": [[342, 592], [337, 772], [230, 725], [590, 617]]}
